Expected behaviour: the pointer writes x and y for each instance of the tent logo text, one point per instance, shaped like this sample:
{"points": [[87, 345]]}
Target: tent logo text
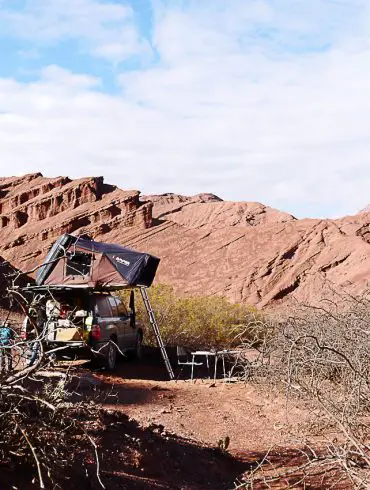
{"points": [[122, 261]]}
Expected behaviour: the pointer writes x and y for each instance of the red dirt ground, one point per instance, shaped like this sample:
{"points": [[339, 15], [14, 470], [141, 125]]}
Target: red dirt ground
{"points": [[178, 426], [158, 434]]}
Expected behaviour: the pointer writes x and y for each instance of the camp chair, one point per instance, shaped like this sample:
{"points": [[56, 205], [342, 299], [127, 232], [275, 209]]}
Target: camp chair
{"points": [[184, 358]]}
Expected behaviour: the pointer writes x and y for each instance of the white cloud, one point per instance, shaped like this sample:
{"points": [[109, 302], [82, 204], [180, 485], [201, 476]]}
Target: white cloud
{"points": [[225, 110], [104, 29], [65, 78]]}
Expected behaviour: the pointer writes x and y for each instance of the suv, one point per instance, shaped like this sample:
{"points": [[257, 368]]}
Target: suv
{"points": [[94, 324]]}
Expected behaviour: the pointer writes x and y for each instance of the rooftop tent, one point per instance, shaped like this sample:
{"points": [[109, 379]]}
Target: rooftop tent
{"points": [[81, 262]]}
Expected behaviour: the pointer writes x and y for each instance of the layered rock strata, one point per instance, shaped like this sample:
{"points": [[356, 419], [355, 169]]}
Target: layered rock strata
{"points": [[243, 250]]}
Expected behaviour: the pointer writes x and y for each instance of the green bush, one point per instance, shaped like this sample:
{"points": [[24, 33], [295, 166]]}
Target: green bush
{"points": [[197, 321]]}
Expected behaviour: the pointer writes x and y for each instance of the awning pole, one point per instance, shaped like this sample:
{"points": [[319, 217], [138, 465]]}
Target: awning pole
{"points": [[156, 331]]}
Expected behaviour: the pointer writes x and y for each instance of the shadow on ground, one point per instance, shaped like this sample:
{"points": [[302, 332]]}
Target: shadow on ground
{"points": [[132, 458], [150, 458], [151, 367]]}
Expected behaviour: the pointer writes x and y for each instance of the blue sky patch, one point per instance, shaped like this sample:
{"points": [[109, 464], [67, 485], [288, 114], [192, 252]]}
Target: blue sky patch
{"points": [[258, 100]]}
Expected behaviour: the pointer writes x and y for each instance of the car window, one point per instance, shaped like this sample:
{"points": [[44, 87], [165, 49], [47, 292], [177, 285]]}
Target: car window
{"points": [[113, 305], [102, 306], [121, 308]]}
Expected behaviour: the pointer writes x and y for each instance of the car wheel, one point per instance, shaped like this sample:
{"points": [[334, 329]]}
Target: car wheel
{"points": [[111, 356]]}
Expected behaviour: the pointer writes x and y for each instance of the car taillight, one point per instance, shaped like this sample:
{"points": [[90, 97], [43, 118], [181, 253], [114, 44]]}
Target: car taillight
{"points": [[95, 332], [63, 311]]}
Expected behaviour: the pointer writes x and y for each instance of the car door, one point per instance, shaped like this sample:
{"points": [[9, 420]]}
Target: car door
{"points": [[129, 331], [117, 321], [104, 314]]}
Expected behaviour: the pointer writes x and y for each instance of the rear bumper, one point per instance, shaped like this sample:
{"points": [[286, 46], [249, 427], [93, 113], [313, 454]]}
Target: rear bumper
{"points": [[70, 349], [79, 349], [72, 345]]}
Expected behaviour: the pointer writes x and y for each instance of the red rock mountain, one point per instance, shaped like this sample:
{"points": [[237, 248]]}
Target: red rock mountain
{"points": [[246, 251]]}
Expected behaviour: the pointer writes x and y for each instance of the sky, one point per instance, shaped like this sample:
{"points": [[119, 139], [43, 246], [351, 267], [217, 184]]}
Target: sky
{"points": [[253, 100]]}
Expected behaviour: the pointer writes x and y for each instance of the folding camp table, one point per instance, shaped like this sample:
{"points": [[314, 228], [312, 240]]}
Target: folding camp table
{"points": [[203, 353], [221, 354]]}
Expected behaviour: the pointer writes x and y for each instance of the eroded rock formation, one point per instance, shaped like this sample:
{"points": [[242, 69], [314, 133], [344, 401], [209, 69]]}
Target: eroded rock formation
{"points": [[246, 251], [36, 210]]}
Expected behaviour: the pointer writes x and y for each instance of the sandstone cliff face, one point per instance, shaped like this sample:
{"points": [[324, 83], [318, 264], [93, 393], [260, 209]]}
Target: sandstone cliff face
{"points": [[36, 210], [253, 253], [246, 251]]}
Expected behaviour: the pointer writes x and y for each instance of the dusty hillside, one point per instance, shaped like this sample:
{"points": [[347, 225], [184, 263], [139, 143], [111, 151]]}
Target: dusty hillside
{"points": [[246, 251]]}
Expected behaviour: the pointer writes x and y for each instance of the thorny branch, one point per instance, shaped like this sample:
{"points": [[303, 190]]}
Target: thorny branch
{"points": [[322, 355], [53, 428]]}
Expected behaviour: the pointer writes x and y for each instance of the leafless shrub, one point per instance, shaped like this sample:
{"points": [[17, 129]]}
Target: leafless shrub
{"points": [[321, 354], [40, 428]]}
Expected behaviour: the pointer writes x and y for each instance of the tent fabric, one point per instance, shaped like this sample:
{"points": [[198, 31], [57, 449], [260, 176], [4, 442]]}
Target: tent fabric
{"points": [[81, 262]]}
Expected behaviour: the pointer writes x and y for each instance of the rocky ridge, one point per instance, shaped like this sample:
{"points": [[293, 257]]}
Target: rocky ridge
{"points": [[36, 210], [245, 251]]}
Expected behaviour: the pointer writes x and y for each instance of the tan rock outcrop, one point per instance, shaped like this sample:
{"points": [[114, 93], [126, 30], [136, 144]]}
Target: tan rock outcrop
{"points": [[245, 251], [36, 210]]}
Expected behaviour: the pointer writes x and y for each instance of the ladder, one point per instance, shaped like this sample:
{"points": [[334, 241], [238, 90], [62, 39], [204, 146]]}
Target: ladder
{"points": [[156, 331]]}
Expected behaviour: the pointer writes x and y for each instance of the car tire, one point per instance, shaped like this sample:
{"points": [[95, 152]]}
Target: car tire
{"points": [[111, 356], [139, 347], [97, 362]]}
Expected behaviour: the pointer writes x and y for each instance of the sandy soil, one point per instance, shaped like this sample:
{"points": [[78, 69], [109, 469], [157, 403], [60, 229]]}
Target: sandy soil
{"points": [[158, 434], [187, 420], [207, 412]]}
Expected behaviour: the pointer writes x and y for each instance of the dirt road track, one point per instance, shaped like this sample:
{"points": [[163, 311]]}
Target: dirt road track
{"points": [[165, 434]]}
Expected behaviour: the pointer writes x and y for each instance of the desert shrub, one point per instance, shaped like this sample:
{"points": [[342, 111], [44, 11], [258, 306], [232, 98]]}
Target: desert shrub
{"points": [[197, 321], [44, 435], [322, 355], [40, 427]]}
